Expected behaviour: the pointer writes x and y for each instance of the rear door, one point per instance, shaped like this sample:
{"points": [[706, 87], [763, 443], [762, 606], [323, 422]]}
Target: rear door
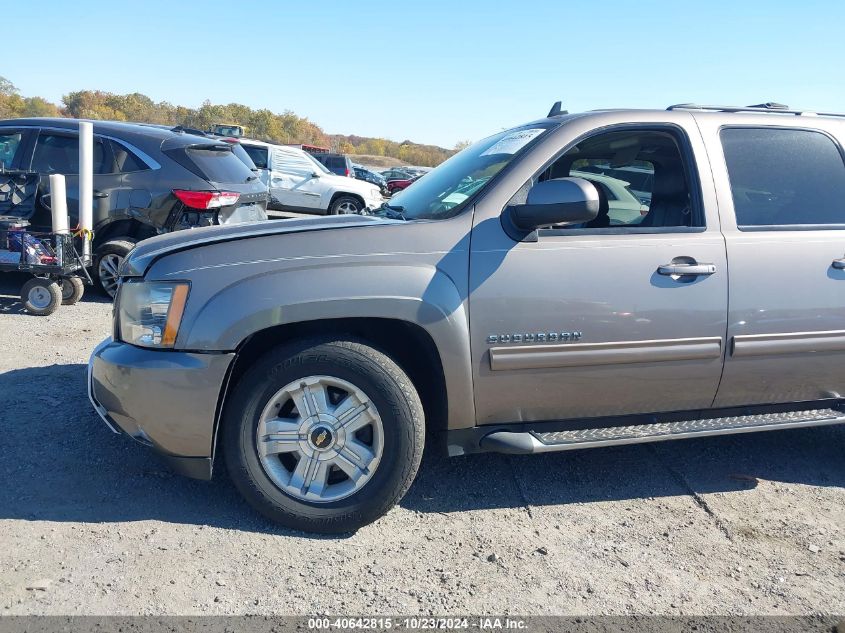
{"points": [[782, 197], [293, 183], [57, 152]]}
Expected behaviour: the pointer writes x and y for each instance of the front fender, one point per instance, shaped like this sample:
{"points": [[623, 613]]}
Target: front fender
{"points": [[420, 294]]}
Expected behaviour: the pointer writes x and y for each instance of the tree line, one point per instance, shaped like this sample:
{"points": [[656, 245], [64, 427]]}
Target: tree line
{"points": [[263, 124]]}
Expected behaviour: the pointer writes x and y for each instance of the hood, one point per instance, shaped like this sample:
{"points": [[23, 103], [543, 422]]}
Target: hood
{"points": [[147, 251], [353, 185]]}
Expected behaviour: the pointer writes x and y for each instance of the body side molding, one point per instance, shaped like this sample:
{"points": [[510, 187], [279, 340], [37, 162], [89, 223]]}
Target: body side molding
{"points": [[585, 354], [746, 345]]}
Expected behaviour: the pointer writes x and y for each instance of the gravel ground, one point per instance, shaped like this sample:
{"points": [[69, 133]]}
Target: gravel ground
{"points": [[92, 523]]}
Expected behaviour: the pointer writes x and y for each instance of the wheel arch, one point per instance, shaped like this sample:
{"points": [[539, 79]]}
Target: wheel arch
{"points": [[341, 194], [125, 228], [407, 343]]}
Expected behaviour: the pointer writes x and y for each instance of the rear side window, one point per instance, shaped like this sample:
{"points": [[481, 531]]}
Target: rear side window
{"points": [[294, 163], [125, 160], [59, 154], [9, 144], [218, 164], [781, 177]]}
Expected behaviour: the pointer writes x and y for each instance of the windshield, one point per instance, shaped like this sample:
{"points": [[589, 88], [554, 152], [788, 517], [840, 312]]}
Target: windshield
{"points": [[442, 192], [320, 166]]}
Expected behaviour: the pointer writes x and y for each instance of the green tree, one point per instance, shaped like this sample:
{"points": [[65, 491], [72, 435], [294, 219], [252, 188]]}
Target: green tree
{"points": [[36, 106], [7, 88]]}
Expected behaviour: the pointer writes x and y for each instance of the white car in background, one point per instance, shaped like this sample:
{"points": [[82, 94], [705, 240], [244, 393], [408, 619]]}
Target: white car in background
{"points": [[298, 182]]}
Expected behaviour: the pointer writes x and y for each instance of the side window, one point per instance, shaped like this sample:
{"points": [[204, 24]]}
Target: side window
{"points": [[59, 154], [125, 160], [258, 155], [783, 177], [642, 179], [292, 163], [9, 144]]}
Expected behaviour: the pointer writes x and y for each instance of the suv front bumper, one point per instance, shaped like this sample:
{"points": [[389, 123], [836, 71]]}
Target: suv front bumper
{"points": [[373, 203], [164, 399]]}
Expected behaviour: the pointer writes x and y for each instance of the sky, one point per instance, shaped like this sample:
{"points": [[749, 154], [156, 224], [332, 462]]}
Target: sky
{"points": [[435, 71]]}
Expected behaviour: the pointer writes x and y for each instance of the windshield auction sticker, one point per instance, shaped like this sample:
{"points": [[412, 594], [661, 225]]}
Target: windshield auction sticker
{"points": [[513, 142]]}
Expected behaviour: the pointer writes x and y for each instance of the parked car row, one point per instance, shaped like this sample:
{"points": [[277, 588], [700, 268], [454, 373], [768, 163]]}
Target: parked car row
{"points": [[362, 173], [152, 179], [147, 180], [298, 181]]}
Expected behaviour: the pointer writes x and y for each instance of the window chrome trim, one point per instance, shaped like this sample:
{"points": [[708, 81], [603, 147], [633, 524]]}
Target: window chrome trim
{"points": [[151, 162]]}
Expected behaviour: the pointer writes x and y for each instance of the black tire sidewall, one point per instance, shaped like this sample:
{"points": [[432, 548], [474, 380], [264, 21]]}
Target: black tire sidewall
{"points": [[402, 426], [78, 289], [336, 205], [52, 287]]}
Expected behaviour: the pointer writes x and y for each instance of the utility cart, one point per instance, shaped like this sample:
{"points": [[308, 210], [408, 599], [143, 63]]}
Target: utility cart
{"points": [[53, 259]]}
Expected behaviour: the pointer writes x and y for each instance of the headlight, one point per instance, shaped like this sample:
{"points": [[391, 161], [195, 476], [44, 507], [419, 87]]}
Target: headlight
{"points": [[149, 312]]}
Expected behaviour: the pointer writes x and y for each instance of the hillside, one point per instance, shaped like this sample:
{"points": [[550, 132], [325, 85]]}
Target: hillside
{"points": [[285, 127]]}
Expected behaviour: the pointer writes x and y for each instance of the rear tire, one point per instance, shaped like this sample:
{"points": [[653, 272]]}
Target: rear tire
{"points": [[72, 290], [41, 296], [379, 417], [107, 260], [346, 205]]}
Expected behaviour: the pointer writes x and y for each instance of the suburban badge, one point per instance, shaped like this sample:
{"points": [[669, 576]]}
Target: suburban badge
{"points": [[534, 337]]}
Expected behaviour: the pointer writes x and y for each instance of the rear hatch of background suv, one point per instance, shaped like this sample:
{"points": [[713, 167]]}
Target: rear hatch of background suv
{"points": [[230, 192]]}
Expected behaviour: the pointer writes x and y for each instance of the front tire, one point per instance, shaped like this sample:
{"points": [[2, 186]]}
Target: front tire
{"points": [[346, 205], [323, 435]]}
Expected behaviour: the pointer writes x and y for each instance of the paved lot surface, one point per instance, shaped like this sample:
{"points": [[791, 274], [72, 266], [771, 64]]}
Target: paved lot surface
{"points": [[92, 523]]}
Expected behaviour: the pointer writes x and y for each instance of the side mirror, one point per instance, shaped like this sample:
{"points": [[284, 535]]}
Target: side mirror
{"points": [[558, 201], [315, 174]]}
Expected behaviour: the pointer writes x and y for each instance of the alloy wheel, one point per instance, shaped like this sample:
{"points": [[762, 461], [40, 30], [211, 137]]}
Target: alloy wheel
{"points": [[320, 439], [107, 272]]}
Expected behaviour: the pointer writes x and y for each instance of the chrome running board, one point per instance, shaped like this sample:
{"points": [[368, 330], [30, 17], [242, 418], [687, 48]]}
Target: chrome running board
{"points": [[536, 442]]}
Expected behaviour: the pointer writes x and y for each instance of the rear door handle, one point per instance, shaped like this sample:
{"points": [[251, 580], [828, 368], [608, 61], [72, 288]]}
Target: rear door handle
{"points": [[686, 269], [839, 264]]}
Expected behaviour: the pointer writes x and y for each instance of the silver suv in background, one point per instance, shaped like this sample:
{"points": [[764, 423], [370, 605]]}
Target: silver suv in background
{"points": [[503, 302], [299, 183]]}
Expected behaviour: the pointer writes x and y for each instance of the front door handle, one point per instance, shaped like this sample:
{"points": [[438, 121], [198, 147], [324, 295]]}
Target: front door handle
{"points": [[838, 264], [686, 269]]}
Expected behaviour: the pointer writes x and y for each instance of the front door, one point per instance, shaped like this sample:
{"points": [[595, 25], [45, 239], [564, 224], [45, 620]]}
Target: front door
{"points": [[784, 223], [624, 314]]}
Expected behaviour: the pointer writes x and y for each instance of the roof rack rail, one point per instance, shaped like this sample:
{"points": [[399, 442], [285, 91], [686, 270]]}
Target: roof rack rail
{"points": [[770, 107]]}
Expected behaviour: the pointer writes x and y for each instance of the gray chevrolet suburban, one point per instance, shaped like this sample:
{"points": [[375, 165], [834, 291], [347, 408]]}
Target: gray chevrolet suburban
{"points": [[501, 303]]}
